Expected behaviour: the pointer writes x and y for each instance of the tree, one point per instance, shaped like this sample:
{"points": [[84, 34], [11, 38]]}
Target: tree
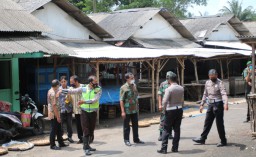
{"points": [[177, 7], [90, 6], [248, 14]]}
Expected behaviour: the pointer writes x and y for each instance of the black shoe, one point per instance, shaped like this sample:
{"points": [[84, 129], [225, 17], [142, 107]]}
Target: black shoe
{"points": [[92, 149], [79, 142], [199, 140], [175, 150], [127, 143], [170, 137], [161, 151], [70, 140], [246, 121], [55, 148], [139, 142], [63, 145], [221, 144], [87, 152]]}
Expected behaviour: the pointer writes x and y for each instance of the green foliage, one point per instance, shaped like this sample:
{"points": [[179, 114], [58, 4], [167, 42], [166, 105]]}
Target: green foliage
{"points": [[248, 14], [177, 7]]}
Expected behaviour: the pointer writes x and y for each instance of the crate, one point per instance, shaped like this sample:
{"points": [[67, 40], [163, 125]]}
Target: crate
{"points": [[111, 112]]}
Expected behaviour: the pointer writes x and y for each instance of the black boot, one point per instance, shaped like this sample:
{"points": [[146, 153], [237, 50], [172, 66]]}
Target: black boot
{"points": [[86, 146], [91, 139]]}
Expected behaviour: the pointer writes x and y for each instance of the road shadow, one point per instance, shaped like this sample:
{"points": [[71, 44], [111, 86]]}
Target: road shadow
{"points": [[70, 149], [107, 153], [241, 146], [98, 143], [146, 144], [192, 151], [186, 138]]}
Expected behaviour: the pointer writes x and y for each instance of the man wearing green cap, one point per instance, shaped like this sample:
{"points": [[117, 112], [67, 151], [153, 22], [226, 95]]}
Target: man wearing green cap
{"points": [[248, 87], [161, 92]]}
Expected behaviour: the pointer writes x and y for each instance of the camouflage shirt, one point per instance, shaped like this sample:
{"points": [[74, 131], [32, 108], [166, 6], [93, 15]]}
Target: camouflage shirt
{"points": [[129, 95], [52, 100], [163, 86]]}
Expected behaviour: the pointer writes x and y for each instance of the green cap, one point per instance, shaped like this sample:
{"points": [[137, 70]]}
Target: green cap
{"points": [[249, 62]]}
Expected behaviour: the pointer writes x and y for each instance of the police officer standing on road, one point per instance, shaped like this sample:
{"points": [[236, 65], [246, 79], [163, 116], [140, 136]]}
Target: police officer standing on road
{"points": [[173, 101], [164, 85], [216, 94]]}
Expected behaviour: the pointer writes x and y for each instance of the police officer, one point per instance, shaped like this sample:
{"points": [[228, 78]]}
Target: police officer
{"points": [[215, 94], [173, 101], [89, 105], [164, 85]]}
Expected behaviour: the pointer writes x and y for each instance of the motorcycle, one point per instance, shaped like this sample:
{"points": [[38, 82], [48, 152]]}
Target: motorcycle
{"points": [[11, 123]]}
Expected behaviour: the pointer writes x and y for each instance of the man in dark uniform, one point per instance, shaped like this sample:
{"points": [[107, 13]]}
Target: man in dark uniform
{"points": [[173, 101], [164, 85], [216, 94]]}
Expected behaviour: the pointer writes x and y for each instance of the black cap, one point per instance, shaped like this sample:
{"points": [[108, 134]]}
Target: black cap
{"points": [[212, 72], [55, 83]]}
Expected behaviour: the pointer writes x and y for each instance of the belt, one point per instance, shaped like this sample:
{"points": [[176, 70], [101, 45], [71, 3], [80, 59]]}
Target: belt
{"points": [[174, 108], [211, 101]]}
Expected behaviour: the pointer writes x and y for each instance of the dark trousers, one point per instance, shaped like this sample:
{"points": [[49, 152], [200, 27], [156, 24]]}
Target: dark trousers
{"points": [[55, 130], [247, 91], [173, 120], [66, 118], [135, 127], [215, 110], [79, 127], [161, 127], [88, 122]]}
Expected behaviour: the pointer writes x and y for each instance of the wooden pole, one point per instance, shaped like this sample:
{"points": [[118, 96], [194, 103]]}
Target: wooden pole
{"points": [[117, 75], [54, 67], [228, 62], [182, 72], [73, 66], [178, 73], [157, 79], [98, 79], [153, 87], [253, 67], [221, 69], [123, 70], [195, 67]]}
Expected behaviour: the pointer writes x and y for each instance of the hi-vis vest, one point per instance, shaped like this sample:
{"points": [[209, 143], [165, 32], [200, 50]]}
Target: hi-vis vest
{"points": [[88, 95]]}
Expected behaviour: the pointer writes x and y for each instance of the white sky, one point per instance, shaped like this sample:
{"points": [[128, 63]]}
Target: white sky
{"points": [[213, 6]]}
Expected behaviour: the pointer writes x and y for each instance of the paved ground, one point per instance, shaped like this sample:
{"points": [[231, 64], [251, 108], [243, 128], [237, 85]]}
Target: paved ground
{"points": [[109, 141]]}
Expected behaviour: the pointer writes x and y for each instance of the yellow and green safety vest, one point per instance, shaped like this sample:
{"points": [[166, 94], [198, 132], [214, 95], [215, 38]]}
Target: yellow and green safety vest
{"points": [[88, 95]]}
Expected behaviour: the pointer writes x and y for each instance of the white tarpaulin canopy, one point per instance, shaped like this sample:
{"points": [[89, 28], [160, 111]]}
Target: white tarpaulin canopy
{"points": [[106, 51]]}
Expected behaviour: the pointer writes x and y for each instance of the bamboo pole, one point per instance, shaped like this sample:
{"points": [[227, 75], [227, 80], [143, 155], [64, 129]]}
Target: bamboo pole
{"points": [[182, 72], [73, 67], [221, 69], [98, 79], [228, 62], [153, 87], [54, 67], [253, 67], [157, 79], [195, 67]]}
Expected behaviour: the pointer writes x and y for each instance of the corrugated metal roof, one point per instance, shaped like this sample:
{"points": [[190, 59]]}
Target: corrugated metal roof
{"points": [[101, 50], [22, 45], [234, 45], [82, 18], [201, 27], [31, 5], [14, 18], [124, 23], [166, 44], [251, 26]]}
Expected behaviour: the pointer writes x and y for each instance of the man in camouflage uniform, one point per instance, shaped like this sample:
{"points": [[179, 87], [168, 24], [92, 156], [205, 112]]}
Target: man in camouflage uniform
{"points": [[164, 85], [216, 94], [129, 109]]}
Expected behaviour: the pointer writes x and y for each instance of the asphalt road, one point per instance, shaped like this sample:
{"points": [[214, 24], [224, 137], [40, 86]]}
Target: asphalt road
{"points": [[109, 140]]}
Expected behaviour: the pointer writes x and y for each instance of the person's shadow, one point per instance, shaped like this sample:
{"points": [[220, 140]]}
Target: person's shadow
{"points": [[241, 146], [107, 152], [192, 151]]}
